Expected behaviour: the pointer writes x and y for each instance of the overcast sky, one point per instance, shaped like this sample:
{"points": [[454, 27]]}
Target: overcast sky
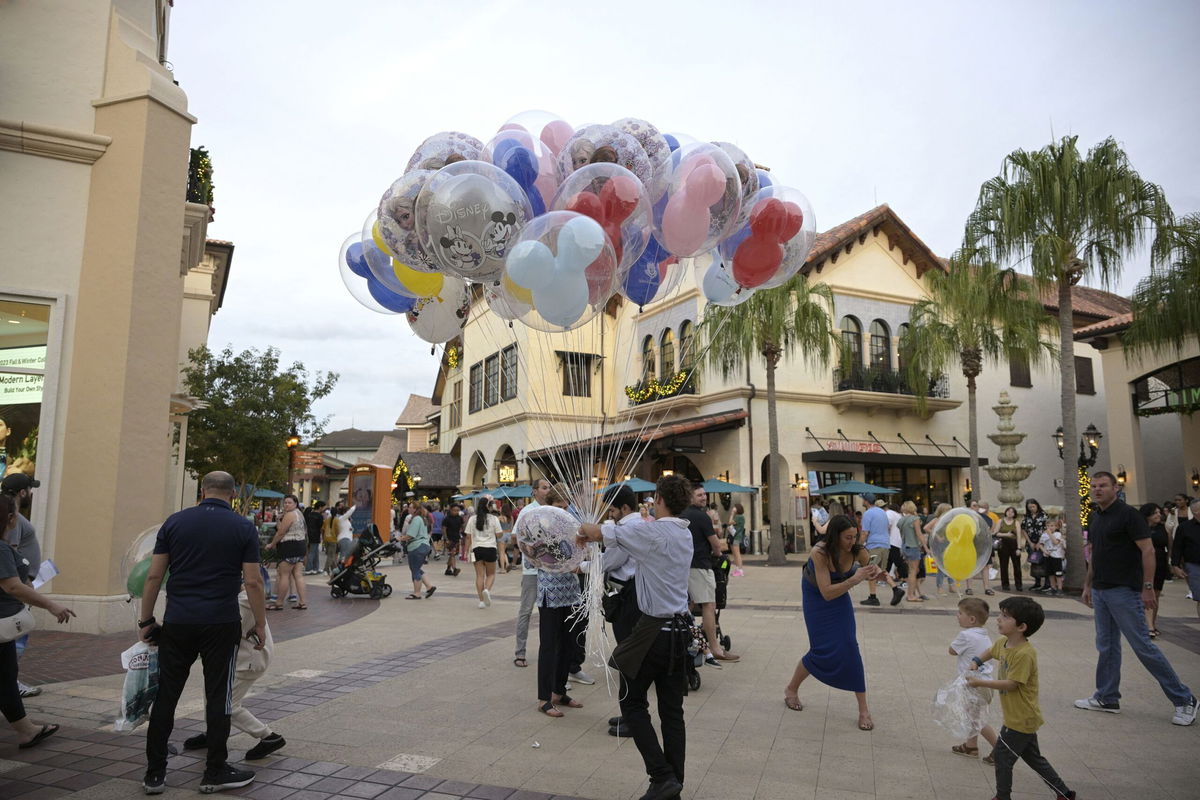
{"points": [[311, 109]]}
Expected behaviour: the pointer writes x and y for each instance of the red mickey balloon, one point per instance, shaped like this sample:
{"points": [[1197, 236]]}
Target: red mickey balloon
{"points": [[772, 223], [617, 200]]}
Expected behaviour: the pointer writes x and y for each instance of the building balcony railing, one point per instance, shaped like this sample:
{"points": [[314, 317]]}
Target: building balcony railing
{"points": [[885, 381], [648, 391]]}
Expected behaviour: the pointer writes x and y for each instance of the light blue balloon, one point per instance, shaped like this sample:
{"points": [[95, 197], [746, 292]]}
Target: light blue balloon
{"points": [[718, 285], [531, 264], [562, 301], [580, 242]]}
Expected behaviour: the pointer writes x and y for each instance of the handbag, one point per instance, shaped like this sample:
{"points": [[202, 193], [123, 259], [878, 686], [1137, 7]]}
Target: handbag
{"points": [[16, 626]]}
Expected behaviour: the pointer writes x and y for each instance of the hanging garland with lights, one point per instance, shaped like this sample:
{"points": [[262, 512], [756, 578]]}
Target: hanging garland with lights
{"points": [[402, 481], [452, 357], [1085, 495], [652, 389]]}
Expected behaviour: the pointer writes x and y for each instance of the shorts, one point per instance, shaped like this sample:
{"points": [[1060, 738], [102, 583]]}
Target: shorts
{"points": [[1193, 580], [1053, 566], [293, 552], [912, 553], [879, 555], [454, 538], [436, 537], [487, 555], [702, 585]]}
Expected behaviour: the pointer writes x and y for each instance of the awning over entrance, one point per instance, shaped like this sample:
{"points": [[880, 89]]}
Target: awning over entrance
{"points": [[706, 424], [893, 459]]}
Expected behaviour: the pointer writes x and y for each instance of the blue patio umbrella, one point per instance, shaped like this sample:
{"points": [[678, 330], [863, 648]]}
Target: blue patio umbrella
{"points": [[717, 486], [855, 487], [268, 494], [513, 492], [635, 484]]}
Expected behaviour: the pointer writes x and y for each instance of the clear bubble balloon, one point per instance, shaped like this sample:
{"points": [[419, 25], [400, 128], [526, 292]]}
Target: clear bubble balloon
{"points": [[396, 230], [468, 215], [657, 150], [356, 283], [563, 268], [441, 318], [715, 281], [654, 276], [527, 161], [747, 173], [550, 129], [136, 563], [379, 259], [703, 201], [775, 241], [444, 148], [614, 197], [961, 543], [593, 144], [546, 536]]}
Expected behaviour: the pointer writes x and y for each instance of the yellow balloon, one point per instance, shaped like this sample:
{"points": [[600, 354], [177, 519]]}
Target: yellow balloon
{"points": [[959, 557], [378, 238], [422, 284], [518, 293]]}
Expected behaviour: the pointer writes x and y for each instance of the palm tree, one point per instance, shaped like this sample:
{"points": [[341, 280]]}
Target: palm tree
{"points": [[1071, 218], [776, 324], [1166, 305], [976, 313]]}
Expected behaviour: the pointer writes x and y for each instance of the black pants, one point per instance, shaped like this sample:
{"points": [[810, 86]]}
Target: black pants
{"points": [[556, 650], [10, 695], [578, 643], [178, 647], [665, 670], [1009, 554], [896, 559], [1013, 744]]}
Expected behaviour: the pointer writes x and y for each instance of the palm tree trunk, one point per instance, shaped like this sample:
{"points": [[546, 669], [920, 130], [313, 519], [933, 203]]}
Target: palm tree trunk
{"points": [[973, 436], [1073, 579], [775, 551]]}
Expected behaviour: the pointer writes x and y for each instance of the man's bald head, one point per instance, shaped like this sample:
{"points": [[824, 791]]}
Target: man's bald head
{"points": [[218, 484]]}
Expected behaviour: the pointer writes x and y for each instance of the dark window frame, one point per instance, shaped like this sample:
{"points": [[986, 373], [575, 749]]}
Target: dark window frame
{"points": [[577, 374], [880, 345], [666, 354], [852, 340], [649, 360], [475, 402], [508, 373], [455, 418], [1085, 376], [491, 380], [1019, 374]]}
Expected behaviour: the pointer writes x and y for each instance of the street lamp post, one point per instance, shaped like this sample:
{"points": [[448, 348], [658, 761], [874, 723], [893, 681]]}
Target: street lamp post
{"points": [[293, 441], [1089, 449]]}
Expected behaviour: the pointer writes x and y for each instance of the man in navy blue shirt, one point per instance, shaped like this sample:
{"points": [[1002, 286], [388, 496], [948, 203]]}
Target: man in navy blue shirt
{"points": [[210, 551]]}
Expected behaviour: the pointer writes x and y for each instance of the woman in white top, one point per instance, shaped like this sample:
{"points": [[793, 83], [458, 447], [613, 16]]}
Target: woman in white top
{"points": [[485, 530], [345, 534], [291, 545]]}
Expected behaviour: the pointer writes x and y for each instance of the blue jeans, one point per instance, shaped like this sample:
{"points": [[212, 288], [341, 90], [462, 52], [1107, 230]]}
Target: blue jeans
{"points": [[416, 562], [1120, 611], [313, 562]]}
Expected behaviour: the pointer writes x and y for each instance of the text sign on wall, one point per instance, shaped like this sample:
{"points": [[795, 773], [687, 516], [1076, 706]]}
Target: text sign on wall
{"points": [[853, 447]]}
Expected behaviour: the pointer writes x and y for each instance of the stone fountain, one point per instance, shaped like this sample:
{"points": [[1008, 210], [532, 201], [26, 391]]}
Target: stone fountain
{"points": [[1008, 473]]}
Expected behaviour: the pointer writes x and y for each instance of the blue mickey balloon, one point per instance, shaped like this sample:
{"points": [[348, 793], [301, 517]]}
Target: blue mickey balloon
{"points": [[389, 299], [672, 142], [764, 179], [357, 260], [521, 165], [643, 279]]}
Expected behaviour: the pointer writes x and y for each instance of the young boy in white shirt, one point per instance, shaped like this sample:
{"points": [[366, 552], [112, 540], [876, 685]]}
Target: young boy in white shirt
{"points": [[971, 643]]}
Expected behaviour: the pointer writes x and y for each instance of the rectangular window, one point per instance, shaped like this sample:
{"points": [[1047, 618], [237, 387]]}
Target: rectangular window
{"points": [[456, 406], [1085, 381], [1018, 373], [508, 372], [24, 338], [491, 380], [476, 398], [577, 374]]}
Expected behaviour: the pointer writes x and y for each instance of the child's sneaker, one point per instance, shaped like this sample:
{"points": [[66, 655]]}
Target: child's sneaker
{"points": [[1185, 715], [1092, 704]]}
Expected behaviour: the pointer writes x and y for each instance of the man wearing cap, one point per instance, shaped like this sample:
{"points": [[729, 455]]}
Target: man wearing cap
{"points": [[879, 546], [23, 537]]}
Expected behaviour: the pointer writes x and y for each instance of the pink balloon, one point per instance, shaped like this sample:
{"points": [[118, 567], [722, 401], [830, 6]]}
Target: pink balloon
{"points": [[686, 218], [556, 134]]}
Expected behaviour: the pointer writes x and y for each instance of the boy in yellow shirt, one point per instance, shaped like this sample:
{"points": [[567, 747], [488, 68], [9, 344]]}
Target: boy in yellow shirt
{"points": [[1017, 683]]}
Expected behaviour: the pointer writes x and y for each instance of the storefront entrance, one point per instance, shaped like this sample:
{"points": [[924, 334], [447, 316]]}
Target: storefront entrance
{"points": [[925, 486]]}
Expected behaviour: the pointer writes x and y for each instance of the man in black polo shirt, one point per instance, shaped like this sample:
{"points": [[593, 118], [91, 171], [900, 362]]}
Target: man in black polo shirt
{"points": [[210, 550], [702, 581], [1119, 585]]}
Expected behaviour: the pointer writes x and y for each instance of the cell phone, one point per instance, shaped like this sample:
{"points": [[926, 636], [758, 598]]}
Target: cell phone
{"points": [[875, 560], [253, 638]]}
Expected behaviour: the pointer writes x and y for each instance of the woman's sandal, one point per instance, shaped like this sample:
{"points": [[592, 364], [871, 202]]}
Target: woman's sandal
{"points": [[793, 702], [412, 597], [549, 710], [46, 732], [300, 607], [569, 701], [520, 662], [274, 607], [963, 750]]}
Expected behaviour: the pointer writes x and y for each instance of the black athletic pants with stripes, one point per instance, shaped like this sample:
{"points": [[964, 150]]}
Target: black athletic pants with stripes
{"points": [[178, 648]]}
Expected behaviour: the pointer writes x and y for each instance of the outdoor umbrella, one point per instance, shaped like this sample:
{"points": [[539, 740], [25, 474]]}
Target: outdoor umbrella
{"points": [[513, 492], [717, 486], [635, 484], [855, 487], [268, 493]]}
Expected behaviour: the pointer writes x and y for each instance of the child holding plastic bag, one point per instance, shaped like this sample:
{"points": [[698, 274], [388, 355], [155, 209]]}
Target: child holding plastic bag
{"points": [[967, 705]]}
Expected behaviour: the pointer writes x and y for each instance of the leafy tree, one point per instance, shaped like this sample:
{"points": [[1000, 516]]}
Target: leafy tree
{"points": [[1071, 217], [776, 324], [1166, 305], [976, 313], [253, 407]]}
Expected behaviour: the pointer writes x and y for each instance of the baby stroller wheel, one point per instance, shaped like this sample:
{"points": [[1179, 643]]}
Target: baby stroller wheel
{"points": [[377, 591], [387, 590], [337, 591], [694, 681], [726, 643]]}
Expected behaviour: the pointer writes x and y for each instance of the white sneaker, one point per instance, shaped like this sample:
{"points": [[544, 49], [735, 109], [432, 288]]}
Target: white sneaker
{"points": [[582, 677], [487, 597], [482, 604], [1092, 704], [28, 691], [1185, 715]]}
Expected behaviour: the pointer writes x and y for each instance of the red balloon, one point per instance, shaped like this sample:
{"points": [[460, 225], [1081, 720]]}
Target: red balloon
{"points": [[772, 223], [617, 200]]}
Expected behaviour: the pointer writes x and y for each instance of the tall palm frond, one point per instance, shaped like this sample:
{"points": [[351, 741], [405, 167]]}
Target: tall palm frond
{"points": [[1166, 305]]}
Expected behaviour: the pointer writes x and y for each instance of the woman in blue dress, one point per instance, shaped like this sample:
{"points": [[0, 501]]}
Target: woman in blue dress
{"points": [[838, 563]]}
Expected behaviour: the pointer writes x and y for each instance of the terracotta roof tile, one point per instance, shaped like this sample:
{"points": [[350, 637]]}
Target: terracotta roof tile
{"points": [[1111, 325]]}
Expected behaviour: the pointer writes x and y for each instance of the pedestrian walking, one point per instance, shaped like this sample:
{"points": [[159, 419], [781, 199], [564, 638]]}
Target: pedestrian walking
{"points": [[23, 536], [290, 543]]}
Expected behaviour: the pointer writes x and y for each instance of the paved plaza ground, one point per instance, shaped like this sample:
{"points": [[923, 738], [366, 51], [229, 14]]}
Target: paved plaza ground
{"points": [[399, 700]]}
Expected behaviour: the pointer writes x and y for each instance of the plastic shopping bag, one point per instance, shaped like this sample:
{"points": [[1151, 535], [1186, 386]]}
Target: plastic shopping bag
{"points": [[962, 709], [140, 663]]}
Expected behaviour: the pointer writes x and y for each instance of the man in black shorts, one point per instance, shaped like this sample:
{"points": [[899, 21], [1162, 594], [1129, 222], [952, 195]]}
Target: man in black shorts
{"points": [[452, 527]]}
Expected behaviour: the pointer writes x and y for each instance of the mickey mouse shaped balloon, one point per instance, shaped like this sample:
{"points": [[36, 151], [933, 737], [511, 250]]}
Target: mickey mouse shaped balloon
{"points": [[703, 201], [550, 261], [775, 241], [961, 543]]}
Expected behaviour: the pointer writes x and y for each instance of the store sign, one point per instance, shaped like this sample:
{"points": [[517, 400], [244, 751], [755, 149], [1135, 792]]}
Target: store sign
{"points": [[853, 447], [308, 461], [16, 387], [508, 473]]}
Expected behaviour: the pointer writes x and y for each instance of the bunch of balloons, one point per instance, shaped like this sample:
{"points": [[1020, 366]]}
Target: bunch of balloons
{"points": [[552, 221]]}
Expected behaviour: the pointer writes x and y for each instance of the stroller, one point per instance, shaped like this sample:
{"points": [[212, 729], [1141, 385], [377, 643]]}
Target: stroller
{"points": [[358, 574], [695, 659]]}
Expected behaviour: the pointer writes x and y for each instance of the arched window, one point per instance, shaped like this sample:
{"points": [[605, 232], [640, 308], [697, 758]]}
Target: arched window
{"points": [[687, 358], [648, 359], [667, 346], [881, 346], [852, 345], [900, 333]]}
